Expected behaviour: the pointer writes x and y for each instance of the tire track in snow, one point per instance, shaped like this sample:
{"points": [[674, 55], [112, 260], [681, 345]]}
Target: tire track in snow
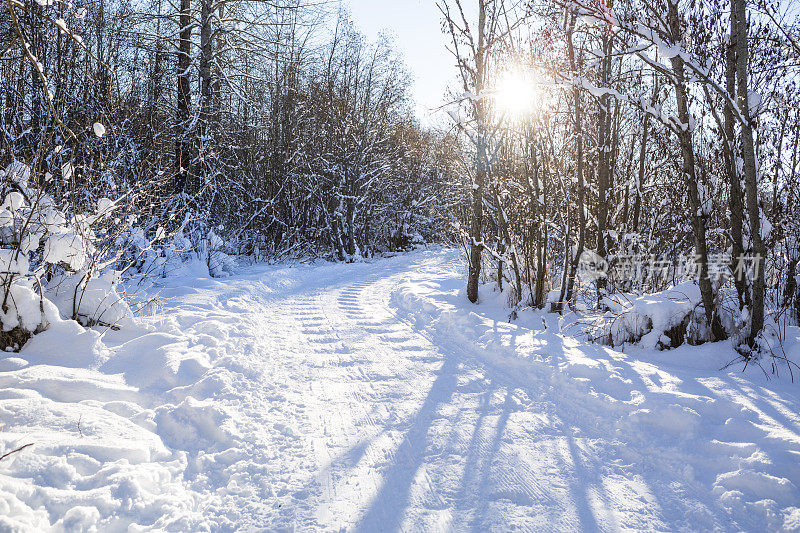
{"points": [[421, 469]]}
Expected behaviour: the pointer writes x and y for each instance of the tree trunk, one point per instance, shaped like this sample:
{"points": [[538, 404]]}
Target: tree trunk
{"points": [[541, 243], [182, 159], [505, 236], [538, 229], [690, 176], [102, 73], [735, 198], [206, 51], [567, 288], [739, 19], [604, 157], [476, 224]]}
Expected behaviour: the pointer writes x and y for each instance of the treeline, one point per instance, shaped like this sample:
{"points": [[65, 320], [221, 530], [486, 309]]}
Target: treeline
{"points": [[663, 131], [273, 125], [657, 133]]}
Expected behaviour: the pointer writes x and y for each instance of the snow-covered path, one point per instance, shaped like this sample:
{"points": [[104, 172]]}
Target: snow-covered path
{"points": [[369, 397]]}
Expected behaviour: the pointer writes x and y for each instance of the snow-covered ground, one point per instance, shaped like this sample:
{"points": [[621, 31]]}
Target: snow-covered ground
{"points": [[371, 397]]}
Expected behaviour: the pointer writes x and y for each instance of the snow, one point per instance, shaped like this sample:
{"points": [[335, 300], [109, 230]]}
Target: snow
{"points": [[371, 396], [25, 309], [14, 201], [94, 300], [105, 207], [66, 247], [645, 319]]}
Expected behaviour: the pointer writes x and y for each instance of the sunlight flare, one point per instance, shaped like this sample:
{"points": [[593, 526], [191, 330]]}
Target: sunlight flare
{"points": [[516, 94]]}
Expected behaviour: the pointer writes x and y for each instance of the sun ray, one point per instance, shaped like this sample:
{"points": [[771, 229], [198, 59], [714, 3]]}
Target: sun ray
{"points": [[516, 94]]}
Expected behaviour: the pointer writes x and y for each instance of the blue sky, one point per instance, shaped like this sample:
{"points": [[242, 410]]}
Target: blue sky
{"points": [[415, 25]]}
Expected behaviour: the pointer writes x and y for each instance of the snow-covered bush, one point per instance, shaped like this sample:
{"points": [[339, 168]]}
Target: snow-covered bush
{"points": [[220, 264], [191, 248], [186, 247], [661, 320], [50, 263], [90, 300]]}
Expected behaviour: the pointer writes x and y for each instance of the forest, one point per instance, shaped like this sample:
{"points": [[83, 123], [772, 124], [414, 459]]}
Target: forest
{"points": [[247, 284], [652, 133]]}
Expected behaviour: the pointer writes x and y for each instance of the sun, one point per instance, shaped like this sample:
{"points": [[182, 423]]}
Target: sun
{"points": [[516, 94]]}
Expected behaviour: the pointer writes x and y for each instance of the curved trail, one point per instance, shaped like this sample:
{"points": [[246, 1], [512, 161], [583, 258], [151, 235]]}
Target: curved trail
{"points": [[349, 417], [374, 400]]}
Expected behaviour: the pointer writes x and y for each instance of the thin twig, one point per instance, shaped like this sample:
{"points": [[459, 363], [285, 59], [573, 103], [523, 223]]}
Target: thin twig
{"points": [[15, 451]]}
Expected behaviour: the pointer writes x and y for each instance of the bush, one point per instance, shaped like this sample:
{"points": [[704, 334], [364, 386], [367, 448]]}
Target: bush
{"points": [[50, 265], [661, 320]]}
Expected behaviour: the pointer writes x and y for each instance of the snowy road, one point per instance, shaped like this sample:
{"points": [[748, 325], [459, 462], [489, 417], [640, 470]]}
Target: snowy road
{"points": [[369, 397], [352, 418]]}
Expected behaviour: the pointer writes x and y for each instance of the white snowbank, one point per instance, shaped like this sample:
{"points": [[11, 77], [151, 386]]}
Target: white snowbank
{"points": [[109, 447]]}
